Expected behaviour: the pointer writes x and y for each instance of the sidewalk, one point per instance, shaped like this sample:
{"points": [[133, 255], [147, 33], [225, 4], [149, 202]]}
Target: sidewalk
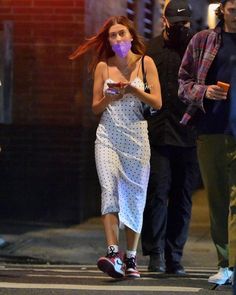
{"points": [[84, 243]]}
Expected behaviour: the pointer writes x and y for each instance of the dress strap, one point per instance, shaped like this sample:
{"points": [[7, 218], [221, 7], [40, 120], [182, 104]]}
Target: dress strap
{"points": [[108, 74], [140, 62], [143, 70]]}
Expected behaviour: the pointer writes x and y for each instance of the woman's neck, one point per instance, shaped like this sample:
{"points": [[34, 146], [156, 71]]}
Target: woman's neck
{"points": [[126, 65]]}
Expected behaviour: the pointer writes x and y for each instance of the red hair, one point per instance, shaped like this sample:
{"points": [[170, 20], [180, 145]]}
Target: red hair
{"points": [[100, 42]]}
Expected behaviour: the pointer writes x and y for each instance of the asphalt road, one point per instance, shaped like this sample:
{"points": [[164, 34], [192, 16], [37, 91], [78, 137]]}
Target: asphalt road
{"points": [[87, 279], [66, 261]]}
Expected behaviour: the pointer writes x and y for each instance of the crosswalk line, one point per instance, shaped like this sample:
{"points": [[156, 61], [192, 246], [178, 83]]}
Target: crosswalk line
{"points": [[98, 287], [94, 277]]}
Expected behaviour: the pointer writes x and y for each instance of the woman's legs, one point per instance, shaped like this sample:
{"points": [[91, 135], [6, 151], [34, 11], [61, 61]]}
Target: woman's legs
{"points": [[112, 263], [111, 227], [132, 239]]}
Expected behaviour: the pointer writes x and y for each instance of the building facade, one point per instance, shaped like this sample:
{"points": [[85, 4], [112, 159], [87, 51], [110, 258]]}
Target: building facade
{"points": [[47, 128]]}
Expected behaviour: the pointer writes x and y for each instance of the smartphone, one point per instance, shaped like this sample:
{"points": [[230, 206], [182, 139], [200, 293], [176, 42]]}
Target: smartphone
{"points": [[116, 85], [112, 91], [223, 85]]}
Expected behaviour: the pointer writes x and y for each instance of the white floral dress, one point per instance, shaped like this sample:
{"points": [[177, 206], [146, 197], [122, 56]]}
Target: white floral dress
{"points": [[122, 155]]}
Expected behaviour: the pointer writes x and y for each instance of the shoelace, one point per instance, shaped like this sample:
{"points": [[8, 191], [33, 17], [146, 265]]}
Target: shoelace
{"points": [[112, 252], [130, 262]]}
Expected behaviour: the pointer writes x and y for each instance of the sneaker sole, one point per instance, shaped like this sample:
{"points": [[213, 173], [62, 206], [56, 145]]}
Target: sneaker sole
{"points": [[107, 267], [132, 276], [227, 282], [153, 269]]}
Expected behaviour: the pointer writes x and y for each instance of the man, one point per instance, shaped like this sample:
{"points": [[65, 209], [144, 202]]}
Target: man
{"points": [[206, 62], [174, 165], [232, 225], [233, 97]]}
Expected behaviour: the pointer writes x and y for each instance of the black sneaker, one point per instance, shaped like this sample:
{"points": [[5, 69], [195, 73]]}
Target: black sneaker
{"points": [[175, 269], [157, 263], [131, 270]]}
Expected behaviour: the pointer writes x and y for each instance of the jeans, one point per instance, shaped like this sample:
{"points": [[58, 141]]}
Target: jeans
{"points": [[217, 160]]}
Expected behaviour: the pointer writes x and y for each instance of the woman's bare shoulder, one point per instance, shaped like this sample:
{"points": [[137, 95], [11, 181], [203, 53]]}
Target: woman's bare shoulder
{"points": [[148, 60], [101, 69], [101, 65]]}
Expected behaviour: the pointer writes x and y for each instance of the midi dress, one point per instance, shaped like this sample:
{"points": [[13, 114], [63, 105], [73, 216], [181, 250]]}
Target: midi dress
{"points": [[122, 155]]}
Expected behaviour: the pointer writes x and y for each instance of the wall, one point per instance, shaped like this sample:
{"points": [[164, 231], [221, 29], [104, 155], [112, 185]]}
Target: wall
{"points": [[45, 31], [47, 167]]}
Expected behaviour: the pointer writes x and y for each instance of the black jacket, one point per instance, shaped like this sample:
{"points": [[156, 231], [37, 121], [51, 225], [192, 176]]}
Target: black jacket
{"points": [[164, 125]]}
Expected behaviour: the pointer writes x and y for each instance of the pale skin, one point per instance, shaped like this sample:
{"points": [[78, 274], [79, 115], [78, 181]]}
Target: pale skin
{"points": [[117, 69], [123, 70], [229, 10]]}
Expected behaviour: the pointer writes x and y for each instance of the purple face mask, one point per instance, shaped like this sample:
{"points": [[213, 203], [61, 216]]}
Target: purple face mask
{"points": [[122, 48]]}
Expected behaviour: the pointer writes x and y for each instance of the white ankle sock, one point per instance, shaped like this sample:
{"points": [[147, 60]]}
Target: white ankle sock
{"points": [[112, 248], [131, 253]]}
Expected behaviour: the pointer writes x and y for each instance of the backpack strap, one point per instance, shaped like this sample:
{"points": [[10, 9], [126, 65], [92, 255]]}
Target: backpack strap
{"points": [[143, 71]]}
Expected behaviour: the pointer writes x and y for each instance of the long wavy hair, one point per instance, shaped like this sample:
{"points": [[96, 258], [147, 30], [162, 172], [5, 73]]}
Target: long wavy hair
{"points": [[100, 42]]}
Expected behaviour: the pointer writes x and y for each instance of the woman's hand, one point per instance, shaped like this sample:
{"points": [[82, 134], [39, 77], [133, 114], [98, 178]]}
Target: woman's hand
{"points": [[113, 94], [116, 91]]}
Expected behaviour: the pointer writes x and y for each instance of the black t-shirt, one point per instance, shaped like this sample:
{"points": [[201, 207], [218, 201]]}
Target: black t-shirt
{"points": [[164, 126], [216, 118]]}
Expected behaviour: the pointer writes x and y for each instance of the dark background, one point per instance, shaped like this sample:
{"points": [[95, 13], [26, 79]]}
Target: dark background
{"points": [[47, 129]]}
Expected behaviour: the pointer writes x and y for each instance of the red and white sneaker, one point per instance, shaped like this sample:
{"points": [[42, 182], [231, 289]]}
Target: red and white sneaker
{"points": [[112, 265], [131, 270]]}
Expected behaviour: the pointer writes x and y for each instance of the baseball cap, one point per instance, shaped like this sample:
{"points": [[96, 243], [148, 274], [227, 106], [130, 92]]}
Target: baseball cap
{"points": [[178, 10]]}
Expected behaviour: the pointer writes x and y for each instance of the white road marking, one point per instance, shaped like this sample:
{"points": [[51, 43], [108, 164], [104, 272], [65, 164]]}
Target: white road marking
{"points": [[66, 276], [89, 268], [56, 270], [98, 287], [51, 270], [102, 277]]}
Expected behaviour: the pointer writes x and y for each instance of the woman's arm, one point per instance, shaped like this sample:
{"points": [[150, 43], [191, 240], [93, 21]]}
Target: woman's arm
{"points": [[101, 101], [154, 98]]}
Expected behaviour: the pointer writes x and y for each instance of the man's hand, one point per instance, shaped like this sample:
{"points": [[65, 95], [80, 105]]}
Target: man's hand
{"points": [[216, 92]]}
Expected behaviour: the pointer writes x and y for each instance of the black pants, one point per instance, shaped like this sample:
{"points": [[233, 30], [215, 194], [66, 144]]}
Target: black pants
{"points": [[173, 176]]}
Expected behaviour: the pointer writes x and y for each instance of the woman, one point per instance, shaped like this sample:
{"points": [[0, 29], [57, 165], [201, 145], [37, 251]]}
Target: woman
{"points": [[122, 150]]}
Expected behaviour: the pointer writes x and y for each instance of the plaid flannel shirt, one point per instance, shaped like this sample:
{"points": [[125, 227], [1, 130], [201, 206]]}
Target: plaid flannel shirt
{"points": [[195, 65]]}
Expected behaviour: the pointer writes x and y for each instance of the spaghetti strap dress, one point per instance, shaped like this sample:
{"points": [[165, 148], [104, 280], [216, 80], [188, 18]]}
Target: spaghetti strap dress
{"points": [[122, 155]]}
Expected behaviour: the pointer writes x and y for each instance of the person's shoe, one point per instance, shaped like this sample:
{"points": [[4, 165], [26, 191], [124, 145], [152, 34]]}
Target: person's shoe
{"points": [[3, 243], [222, 277], [157, 263], [112, 265], [175, 269], [131, 270]]}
